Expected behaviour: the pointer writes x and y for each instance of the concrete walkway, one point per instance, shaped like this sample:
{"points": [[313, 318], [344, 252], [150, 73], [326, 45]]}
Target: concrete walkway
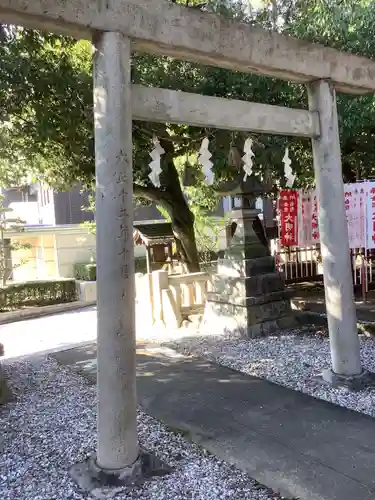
{"points": [[297, 445], [66, 329], [41, 311], [31, 336]]}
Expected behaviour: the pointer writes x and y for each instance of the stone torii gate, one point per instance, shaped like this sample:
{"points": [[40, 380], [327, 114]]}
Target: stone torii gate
{"points": [[119, 26]]}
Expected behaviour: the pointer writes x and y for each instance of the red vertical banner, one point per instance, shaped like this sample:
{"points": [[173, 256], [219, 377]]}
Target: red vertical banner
{"points": [[314, 218], [288, 210]]}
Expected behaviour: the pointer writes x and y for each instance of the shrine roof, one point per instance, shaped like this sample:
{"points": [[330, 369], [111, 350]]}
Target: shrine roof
{"points": [[153, 234]]}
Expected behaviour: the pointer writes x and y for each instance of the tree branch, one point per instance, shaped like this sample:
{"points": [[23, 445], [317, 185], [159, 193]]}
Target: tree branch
{"points": [[153, 194]]}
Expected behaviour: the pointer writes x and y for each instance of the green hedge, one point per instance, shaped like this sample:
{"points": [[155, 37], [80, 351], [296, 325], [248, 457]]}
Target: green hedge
{"points": [[85, 271], [140, 265], [37, 293]]}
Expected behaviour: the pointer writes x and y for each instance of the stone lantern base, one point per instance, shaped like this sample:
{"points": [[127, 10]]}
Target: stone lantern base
{"points": [[249, 296]]}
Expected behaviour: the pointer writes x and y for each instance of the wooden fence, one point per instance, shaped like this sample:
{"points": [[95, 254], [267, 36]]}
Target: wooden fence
{"points": [[304, 264]]}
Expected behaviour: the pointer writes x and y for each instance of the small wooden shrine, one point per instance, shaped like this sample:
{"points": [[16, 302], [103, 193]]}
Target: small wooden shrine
{"points": [[158, 239]]}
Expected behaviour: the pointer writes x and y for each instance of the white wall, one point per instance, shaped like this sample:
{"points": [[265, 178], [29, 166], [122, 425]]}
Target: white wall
{"points": [[78, 247], [27, 211], [72, 248], [46, 205]]}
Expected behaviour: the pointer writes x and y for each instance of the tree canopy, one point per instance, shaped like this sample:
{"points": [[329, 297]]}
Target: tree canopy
{"points": [[47, 121]]}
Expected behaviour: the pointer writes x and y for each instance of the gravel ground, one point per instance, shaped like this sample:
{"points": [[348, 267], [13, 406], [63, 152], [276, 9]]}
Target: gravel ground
{"points": [[51, 425], [291, 360]]}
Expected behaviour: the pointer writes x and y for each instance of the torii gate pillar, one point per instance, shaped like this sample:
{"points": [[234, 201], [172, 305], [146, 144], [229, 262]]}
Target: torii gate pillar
{"points": [[345, 348]]}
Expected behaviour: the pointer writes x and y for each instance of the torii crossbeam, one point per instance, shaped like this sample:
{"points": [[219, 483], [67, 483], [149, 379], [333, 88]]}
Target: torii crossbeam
{"points": [[119, 26]]}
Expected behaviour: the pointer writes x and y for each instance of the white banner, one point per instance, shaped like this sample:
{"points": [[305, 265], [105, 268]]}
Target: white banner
{"points": [[355, 199], [360, 215], [305, 218], [370, 214]]}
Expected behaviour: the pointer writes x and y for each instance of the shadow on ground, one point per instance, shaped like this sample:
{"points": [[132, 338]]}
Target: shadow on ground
{"points": [[299, 446]]}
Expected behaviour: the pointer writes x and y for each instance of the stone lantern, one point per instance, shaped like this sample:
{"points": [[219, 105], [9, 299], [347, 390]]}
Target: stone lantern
{"points": [[248, 296]]}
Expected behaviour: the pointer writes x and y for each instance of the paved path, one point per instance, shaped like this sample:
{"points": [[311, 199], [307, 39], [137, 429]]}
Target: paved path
{"points": [[291, 442], [65, 329], [49, 332]]}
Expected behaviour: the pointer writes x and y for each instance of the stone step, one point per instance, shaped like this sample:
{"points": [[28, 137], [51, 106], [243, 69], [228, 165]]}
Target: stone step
{"points": [[241, 300], [246, 267], [251, 286], [250, 314]]}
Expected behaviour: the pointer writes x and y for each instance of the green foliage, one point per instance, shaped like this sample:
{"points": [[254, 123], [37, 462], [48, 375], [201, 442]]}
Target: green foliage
{"points": [[47, 121], [37, 293], [38, 74], [208, 231], [90, 225], [350, 26], [140, 265], [202, 203], [85, 271], [8, 223]]}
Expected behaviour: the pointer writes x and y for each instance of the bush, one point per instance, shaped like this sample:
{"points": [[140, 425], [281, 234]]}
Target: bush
{"points": [[85, 271], [207, 256], [140, 265], [37, 293]]}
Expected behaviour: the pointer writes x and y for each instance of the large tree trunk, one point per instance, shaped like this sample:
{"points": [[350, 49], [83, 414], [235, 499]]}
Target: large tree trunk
{"points": [[183, 226], [178, 209], [172, 199]]}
